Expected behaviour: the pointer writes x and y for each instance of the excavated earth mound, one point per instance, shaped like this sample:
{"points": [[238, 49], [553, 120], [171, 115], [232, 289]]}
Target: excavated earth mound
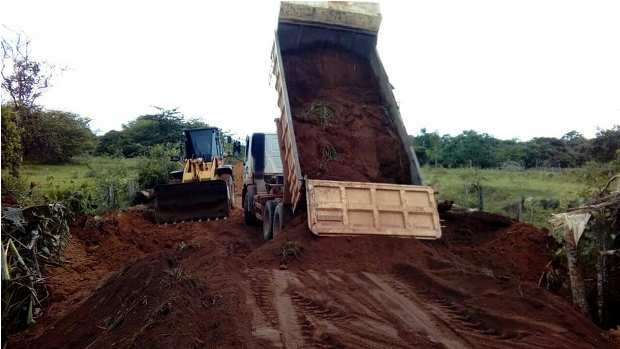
{"points": [[342, 128], [217, 285]]}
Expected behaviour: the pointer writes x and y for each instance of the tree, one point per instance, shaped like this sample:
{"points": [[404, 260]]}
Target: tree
{"points": [[470, 148], [24, 79], [11, 141], [111, 143], [605, 144], [137, 136], [62, 135], [578, 146]]}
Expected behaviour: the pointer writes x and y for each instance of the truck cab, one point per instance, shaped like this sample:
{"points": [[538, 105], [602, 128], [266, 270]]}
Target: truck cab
{"points": [[262, 180]]}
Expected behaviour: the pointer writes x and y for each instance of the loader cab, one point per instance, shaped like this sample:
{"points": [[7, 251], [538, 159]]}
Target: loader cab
{"points": [[203, 143]]}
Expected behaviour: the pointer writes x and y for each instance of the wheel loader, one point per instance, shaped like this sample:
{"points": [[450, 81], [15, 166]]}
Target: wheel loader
{"points": [[204, 188]]}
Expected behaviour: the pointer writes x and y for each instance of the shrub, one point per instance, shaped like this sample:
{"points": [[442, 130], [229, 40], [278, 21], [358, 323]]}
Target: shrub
{"points": [[11, 141], [156, 166]]}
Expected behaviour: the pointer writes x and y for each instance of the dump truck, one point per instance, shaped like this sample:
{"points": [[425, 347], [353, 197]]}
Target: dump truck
{"points": [[203, 188], [263, 182], [398, 205]]}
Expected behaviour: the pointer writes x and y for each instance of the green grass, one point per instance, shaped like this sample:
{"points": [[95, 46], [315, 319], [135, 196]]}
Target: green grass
{"points": [[503, 189], [80, 171]]}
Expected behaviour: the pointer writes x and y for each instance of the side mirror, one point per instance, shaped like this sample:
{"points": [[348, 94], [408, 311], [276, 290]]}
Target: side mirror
{"points": [[175, 158]]}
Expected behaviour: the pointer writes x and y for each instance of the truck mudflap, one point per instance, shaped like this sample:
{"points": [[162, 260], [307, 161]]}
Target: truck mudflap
{"points": [[357, 208], [191, 201]]}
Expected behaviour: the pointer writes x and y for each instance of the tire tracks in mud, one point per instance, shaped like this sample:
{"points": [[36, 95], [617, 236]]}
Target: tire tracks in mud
{"points": [[333, 309]]}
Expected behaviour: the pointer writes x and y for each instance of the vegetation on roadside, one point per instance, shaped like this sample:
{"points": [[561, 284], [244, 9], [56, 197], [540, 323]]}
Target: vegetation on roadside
{"points": [[473, 149], [539, 192]]}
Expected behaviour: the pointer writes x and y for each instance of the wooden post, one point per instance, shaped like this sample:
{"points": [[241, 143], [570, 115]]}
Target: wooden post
{"points": [[601, 277], [520, 209], [575, 273], [480, 199]]}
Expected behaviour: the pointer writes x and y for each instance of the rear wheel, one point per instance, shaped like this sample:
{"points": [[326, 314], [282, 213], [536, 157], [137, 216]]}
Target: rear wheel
{"points": [[248, 209], [278, 220], [268, 213]]}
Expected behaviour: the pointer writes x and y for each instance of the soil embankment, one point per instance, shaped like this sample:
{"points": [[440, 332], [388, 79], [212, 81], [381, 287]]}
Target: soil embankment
{"points": [[216, 284]]}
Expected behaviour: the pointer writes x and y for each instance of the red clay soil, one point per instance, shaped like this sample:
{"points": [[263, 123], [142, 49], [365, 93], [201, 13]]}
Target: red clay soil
{"points": [[217, 285], [365, 140]]}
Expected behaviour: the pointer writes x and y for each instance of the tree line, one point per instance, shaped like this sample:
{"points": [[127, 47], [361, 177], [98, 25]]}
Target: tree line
{"points": [[137, 136], [471, 148]]}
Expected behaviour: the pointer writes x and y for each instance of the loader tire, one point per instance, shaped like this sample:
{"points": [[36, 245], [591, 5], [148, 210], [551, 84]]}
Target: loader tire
{"points": [[268, 213], [231, 188], [248, 209]]}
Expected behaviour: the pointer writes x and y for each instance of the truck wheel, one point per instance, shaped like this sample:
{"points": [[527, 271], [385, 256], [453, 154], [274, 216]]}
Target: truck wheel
{"points": [[278, 220], [268, 213], [248, 210]]}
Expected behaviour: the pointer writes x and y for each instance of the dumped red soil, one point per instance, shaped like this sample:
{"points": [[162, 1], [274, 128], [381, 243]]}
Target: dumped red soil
{"points": [[342, 128], [216, 284]]}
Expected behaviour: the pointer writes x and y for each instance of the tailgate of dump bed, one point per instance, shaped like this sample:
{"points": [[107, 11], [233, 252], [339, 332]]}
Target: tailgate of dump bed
{"points": [[356, 208]]}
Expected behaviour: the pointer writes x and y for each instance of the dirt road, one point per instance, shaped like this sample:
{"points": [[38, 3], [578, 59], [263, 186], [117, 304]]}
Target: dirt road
{"points": [[130, 283]]}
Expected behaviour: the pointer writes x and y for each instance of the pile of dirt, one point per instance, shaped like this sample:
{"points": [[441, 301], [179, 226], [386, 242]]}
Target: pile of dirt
{"points": [[183, 298], [508, 249], [101, 246], [342, 127], [216, 284]]}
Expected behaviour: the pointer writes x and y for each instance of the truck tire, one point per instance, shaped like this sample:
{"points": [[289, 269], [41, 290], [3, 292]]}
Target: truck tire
{"points": [[278, 220], [248, 209], [268, 213]]}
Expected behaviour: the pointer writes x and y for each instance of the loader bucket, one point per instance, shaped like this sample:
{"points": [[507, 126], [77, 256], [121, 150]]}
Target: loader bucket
{"points": [[191, 201]]}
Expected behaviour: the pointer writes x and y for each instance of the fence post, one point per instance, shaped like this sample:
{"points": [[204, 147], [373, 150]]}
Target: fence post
{"points": [[480, 198], [111, 196], [520, 209]]}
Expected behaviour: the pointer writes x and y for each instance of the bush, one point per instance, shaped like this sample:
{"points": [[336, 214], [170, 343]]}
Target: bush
{"points": [[156, 166], [11, 141], [61, 136]]}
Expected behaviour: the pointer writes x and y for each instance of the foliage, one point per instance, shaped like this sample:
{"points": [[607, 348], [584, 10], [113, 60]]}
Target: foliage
{"points": [[32, 237], [504, 189], [155, 167], [19, 189], [606, 144], [60, 136], [24, 78], [11, 141], [475, 149], [164, 127]]}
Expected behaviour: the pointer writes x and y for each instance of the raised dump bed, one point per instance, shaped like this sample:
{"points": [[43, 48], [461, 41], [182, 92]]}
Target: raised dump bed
{"points": [[343, 143]]}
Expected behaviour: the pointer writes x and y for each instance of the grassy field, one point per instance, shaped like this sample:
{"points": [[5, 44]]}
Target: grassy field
{"points": [[502, 189], [79, 171]]}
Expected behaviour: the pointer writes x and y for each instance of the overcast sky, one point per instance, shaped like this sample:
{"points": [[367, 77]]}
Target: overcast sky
{"points": [[513, 69]]}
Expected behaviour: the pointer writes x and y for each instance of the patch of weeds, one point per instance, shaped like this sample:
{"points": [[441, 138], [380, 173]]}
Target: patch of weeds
{"points": [[174, 276], [322, 112], [290, 250], [329, 153]]}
